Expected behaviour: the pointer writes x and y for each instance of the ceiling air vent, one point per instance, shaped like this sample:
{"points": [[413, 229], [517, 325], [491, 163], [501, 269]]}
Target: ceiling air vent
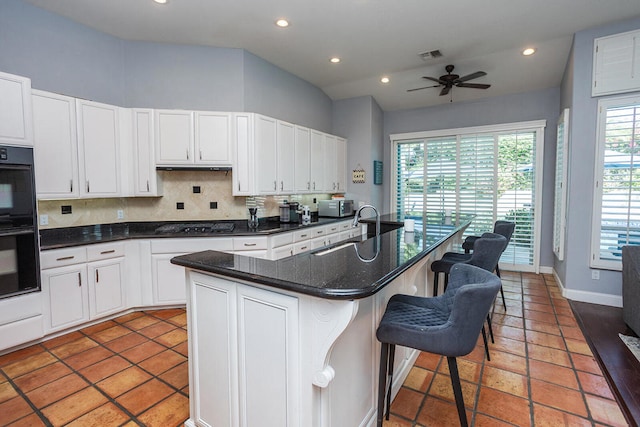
{"points": [[432, 54]]}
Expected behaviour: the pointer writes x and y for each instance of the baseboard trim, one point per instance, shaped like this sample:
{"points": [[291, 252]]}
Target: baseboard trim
{"points": [[587, 296]]}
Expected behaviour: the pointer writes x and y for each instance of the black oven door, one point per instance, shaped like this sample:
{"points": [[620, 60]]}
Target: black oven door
{"points": [[18, 263], [16, 196]]}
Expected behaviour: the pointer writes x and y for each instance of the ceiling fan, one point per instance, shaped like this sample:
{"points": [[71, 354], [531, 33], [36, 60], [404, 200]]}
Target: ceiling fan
{"points": [[450, 80]]}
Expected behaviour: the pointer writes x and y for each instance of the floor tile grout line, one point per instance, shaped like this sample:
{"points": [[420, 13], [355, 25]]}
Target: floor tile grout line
{"points": [[23, 395], [94, 384]]}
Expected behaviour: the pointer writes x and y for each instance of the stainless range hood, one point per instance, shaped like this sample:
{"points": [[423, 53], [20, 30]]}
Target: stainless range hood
{"points": [[193, 168]]}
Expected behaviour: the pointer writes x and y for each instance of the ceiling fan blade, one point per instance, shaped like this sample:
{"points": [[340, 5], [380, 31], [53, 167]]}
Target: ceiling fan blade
{"points": [[474, 85], [420, 88], [445, 90], [470, 76], [433, 79]]}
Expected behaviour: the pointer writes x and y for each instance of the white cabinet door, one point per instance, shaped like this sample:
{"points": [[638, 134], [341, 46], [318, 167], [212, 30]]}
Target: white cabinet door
{"points": [[330, 167], [285, 163], [55, 146], [66, 297], [174, 137], [98, 149], [213, 138], [265, 155], [145, 175], [168, 280], [213, 353], [242, 177], [106, 287], [302, 163], [341, 165], [16, 127], [317, 160], [268, 354]]}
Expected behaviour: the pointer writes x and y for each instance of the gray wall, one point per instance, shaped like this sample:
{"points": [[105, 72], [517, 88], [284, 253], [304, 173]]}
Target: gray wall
{"points": [[62, 56], [360, 121], [274, 92], [539, 105], [574, 271]]}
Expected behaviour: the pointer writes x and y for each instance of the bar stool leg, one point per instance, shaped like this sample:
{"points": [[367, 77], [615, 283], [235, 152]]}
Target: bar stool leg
{"points": [[392, 354], [504, 304], [435, 283], [486, 344], [457, 390], [382, 381]]}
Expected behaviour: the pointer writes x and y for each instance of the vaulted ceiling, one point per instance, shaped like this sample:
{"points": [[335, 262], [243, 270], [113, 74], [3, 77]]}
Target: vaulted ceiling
{"points": [[373, 38]]}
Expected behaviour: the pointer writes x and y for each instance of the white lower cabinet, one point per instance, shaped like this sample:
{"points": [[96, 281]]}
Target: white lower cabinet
{"points": [[106, 287], [246, 369], [72, 296], [168, 280]]}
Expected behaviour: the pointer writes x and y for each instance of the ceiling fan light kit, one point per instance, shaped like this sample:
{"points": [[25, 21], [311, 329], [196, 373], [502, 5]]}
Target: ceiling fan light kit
{"points": [[449, 80]]}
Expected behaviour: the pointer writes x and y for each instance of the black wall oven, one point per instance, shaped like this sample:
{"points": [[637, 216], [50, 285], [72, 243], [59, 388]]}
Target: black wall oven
{"points": [[19, 252]]}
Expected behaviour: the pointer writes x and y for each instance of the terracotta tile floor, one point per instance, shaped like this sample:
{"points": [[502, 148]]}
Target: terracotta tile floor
{"points": [[133, 371], [541, 373], [129, 371]]}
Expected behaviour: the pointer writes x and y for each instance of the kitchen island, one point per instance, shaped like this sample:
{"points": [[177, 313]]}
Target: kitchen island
{"points": [[292, 342]]}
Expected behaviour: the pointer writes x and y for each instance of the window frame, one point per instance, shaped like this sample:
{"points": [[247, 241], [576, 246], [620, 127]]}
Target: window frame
{"points": [[535, 125], [599, 172]]}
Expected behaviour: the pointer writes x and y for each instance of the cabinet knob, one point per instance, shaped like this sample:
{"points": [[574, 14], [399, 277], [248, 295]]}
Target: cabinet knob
{"points": [[281, 185], [187, 154], [97, 276], [79, 279], [71, 185], [308, 185], [147, 185], [275, 185], [88, 187]]}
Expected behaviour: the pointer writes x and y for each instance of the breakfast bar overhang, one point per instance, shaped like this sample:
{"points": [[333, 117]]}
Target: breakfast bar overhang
{"points": [[292, 342]]}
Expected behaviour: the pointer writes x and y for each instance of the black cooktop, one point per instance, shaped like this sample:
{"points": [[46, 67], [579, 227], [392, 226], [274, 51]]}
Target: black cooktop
{"points": [[194, 228]]}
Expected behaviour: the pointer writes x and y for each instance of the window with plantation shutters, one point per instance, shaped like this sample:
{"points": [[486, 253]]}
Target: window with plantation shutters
{"points": [[487, 171], [560, 194], [616, 218]]}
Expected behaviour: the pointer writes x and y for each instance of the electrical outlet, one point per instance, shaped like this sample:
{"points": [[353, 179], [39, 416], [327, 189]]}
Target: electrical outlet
{"points": [[595, 274], [180, 205], [196, 189], [213, 205], [44, 219], [120, 213]]}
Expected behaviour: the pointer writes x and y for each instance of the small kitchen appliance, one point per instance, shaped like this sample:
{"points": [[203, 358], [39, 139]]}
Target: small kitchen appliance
{"points": [[252, 222], [335, 208], [285, 212], [294, 216], [306, 215]]}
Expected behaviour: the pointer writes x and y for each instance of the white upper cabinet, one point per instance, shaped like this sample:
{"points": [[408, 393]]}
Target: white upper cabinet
{"points": [[16, 127], [341, 165], [285, 163], [98, 149], [330, 167], [616, 64], [146, 182], [317, 160], [55, 146], [213, 138], [193, 139], [242, 177], [265, 155], [302, 163], [174, 137]]}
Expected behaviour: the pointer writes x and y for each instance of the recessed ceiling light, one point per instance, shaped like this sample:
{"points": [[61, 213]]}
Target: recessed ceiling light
{"points": [[529, 51], [335, 60], [282, 23], [385, 79], [160, 1]]}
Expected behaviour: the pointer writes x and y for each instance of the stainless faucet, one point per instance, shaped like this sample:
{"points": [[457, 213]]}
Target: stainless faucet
{"points": [[357, 217]]}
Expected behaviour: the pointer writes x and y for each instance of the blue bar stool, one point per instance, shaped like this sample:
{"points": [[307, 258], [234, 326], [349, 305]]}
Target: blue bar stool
{"points": [[448, 325]]}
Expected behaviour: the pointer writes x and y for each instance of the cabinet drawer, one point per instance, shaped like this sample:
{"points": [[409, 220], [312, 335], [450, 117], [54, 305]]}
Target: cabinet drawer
{"points": [[301, 235], [332, 228], [186, 245], [345, 225], [249, 243], [106, 251], [301, 247], [62, 257], [318, 231], [281, 239]]}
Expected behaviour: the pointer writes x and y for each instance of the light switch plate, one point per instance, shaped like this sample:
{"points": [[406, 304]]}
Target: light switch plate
{"points": [[44, 219], [120, 214]]}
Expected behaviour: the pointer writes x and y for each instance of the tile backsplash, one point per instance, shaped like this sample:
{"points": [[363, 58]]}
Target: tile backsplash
{"points": [[178, 188]]}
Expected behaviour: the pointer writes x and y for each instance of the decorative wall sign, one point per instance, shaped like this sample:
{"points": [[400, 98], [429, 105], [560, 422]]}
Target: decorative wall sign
{"points": [[377, 172], [359, 175]]}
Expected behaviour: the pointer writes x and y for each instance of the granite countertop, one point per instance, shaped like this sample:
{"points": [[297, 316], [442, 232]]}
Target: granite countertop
{"points": [[348, 270], [56, 238]]}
